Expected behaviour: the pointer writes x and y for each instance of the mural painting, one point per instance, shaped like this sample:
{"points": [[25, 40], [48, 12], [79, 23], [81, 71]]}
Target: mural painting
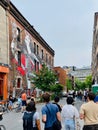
{"points": [[28, 58]]}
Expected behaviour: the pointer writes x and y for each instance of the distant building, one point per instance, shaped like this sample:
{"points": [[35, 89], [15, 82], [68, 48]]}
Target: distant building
{"points": [[79, 73], [61, 75]]}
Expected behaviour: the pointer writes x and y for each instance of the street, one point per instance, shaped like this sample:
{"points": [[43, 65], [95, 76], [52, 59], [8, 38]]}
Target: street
{"points": [[13, 120]]}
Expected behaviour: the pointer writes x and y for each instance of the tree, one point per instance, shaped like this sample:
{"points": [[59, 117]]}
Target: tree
{"points": [[56, 88], [88, 81], [45, 79], [69, 84], [79, 85]]}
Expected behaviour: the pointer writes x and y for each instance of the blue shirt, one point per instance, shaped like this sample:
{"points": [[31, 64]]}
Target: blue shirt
{"points": [[96, 99], [50, 113]]}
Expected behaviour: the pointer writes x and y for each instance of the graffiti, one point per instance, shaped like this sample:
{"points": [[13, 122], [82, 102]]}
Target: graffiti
{"points": [[27, 41], [28, 57], [14, 41]]}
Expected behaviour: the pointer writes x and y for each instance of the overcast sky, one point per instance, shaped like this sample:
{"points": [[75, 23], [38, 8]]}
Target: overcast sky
{"points": [[66, 25]]}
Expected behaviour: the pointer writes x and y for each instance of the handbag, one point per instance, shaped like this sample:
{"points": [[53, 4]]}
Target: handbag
{"points": [[56, 124], [77, 123]]}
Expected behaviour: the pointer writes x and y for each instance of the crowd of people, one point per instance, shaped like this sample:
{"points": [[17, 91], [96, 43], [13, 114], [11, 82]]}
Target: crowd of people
{"points": [[67, 115]]}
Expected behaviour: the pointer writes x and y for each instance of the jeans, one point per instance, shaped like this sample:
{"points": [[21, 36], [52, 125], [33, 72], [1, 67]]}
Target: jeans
{"points": [[90, 127], [69, 124]]}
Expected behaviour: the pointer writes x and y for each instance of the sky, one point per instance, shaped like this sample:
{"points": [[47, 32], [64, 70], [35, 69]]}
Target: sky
{"points": [[66, 25]]}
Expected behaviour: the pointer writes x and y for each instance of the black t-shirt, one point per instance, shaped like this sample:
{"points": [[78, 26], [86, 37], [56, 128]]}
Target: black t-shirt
{"points": [[58, 106]]}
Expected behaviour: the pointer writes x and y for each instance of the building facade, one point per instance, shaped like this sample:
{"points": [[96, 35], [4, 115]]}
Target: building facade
{"points": [[22, 51], [61, 76], [81, 73], [78, 73], [94, 64]]}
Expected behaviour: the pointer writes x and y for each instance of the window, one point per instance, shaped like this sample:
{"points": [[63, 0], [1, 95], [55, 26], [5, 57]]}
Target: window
{"points": [[37, 50], [50, 60], [18, 82], [37, 69], [18, 36], [46, 58], [42, 54], [19, 58], [34, 48], [35, 64]]}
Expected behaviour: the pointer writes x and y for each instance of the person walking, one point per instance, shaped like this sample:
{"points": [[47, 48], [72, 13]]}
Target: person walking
{"points": [[56, 100], [89, 113], [32, 97], [70, 114], [24, 100], [10, 104], [31, 120], [50, 113]]}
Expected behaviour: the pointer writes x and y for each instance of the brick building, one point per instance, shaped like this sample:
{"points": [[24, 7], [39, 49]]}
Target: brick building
{"points": [[61, 75], [22, 51]]}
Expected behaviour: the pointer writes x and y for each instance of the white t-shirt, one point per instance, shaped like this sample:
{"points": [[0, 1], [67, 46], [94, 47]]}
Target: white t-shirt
{"points": [[35, 117], [69, 112]]}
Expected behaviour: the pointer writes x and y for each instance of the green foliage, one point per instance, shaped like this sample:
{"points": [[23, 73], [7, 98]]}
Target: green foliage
{"points": [[44, 79], [69, 84], [82, 85], [79, 85], [88, 81], [56, 88]]}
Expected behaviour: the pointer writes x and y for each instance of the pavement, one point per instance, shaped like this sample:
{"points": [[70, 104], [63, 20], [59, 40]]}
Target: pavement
{"points": [[13, 120]]}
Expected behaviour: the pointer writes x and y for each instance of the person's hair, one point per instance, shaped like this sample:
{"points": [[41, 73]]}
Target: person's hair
{"points": [[91, 95], [10, 96], [56, 99], [70, 100], [32, 95], [31, 106], [32, 99], [46, 97]]}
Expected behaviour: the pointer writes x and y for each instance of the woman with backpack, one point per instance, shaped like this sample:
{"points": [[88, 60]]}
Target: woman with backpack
{"points": [[31, 120]]}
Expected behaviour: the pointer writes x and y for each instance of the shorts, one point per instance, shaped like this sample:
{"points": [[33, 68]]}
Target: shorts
{"points": [[24, 103], [90, 127]]}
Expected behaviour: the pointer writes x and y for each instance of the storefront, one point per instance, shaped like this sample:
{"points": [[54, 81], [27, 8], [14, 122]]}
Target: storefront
{"points": [[3, 82]]}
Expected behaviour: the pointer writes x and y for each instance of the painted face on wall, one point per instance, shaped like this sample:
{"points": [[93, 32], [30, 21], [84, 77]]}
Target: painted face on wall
{"points": [[14, 31], [14, 40], [27, 41]]}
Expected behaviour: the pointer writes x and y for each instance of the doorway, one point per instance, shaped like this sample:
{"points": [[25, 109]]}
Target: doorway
{"points": [[1, 86]]}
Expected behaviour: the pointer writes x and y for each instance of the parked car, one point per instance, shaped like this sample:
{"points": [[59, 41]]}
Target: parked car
{"points": [[64, 94]]}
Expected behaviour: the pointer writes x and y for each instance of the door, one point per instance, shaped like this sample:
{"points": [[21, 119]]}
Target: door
{"points": [[1, 86]]}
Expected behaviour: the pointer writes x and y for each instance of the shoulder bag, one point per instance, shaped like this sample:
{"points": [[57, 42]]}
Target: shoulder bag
{"points": [[77, 123], [57, 124]]}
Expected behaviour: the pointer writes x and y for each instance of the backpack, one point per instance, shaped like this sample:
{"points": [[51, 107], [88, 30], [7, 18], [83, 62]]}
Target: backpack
{"points": [[28, 121]]}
